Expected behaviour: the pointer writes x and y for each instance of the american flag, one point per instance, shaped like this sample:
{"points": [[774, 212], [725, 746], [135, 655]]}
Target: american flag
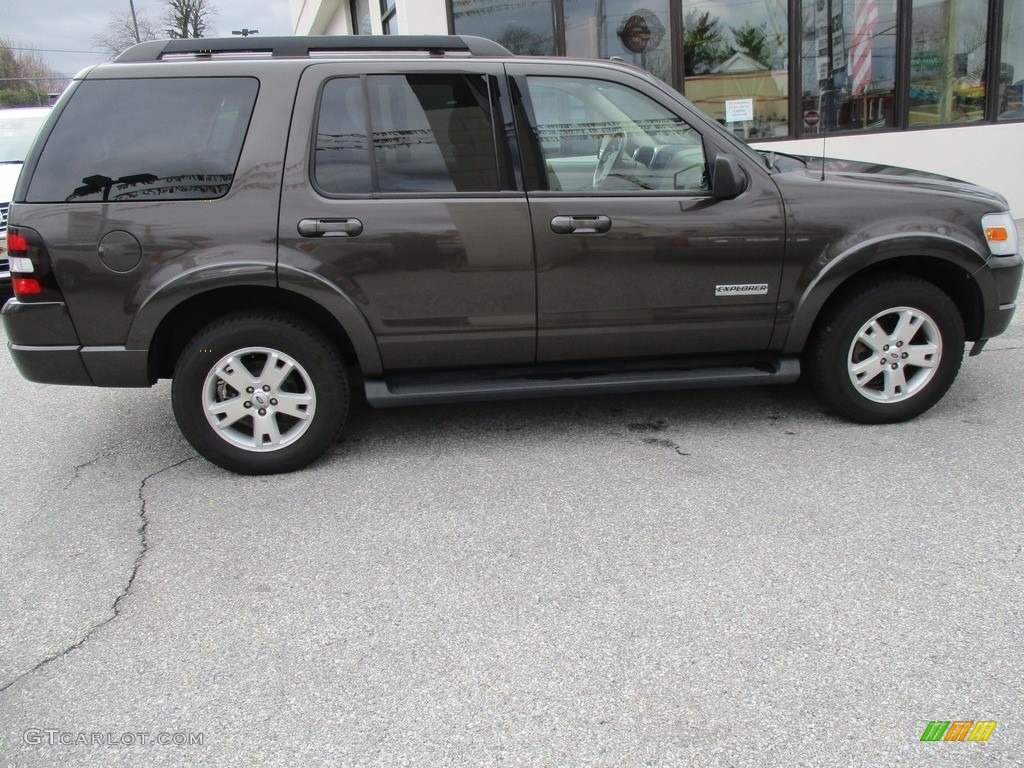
{"points": [[865, 21]]}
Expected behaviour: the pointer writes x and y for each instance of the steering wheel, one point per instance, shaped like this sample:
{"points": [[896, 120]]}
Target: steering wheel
{"points": [[608, 154]]}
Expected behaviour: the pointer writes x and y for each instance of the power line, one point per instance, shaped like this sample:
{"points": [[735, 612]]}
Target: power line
{"points": [[53, 50]]}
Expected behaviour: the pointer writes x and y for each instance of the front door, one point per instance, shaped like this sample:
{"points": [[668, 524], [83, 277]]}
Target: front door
{"points": [[635, 255]]}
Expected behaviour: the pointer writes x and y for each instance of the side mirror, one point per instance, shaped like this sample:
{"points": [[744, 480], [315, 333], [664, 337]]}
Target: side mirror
{"points": [[729, 180]]}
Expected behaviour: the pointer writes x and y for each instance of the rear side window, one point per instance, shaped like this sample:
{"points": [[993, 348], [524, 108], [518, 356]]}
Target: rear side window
{"points": [[430, 134], [146, 139]]}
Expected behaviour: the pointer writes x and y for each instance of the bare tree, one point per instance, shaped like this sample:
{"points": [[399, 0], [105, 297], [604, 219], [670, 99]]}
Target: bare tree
{"points": [[119, 34], [188, 18], [25, 78]]}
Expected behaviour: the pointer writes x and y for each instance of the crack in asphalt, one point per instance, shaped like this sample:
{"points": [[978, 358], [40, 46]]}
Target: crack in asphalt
{"points": [[143, 532], [103, 454]]}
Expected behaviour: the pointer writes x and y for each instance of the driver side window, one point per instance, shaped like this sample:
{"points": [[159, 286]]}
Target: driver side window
{"points": [[596, 135]]}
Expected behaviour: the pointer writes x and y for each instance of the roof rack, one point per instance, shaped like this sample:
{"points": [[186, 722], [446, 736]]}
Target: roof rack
{"points": [[304, 45]]}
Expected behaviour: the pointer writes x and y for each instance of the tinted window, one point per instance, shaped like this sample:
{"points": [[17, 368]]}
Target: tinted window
{"points": [[433, 133], [146, 139], [342, 161]]}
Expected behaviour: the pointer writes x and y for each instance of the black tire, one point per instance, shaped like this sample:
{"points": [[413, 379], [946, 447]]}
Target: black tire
{"points": [[905, 361], [295, 396]]}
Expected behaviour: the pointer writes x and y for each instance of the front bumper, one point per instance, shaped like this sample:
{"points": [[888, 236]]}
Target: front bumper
{"points": [[1006, 272]]}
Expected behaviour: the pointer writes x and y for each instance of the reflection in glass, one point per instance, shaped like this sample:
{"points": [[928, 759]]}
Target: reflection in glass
{"points": [[849, 65], [736, 63], [525, 27], [183, 142], [601, 29], [947, 61], [361, 24], [1011, 70], [341, 164]]}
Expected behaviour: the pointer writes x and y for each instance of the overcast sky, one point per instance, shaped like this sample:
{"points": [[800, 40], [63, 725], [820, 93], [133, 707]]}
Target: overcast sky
{"points": [[62, 31]]}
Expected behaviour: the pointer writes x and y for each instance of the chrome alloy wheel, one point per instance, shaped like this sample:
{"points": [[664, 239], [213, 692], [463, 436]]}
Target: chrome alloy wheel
{"points": [[894, 355], [259, 399]]}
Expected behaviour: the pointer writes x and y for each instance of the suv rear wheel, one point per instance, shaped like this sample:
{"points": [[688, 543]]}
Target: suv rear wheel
{"points": [[260, 392], [888, 351]]}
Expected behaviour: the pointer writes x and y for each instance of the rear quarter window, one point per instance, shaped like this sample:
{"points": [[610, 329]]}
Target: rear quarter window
{"points": [[146, 139]]}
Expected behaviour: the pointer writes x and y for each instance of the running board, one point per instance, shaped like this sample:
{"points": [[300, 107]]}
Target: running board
{"points": [[512, 383]]}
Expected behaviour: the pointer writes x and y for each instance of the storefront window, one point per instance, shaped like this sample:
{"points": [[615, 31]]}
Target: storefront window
{"points": [[524, 27], [736, 66], [361, 17], [602, 29], [947, 61], [1011, 70], [848, 53], [389, 17]]}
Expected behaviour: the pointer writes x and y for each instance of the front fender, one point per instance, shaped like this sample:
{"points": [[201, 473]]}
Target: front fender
{"points": [[822, 278]]}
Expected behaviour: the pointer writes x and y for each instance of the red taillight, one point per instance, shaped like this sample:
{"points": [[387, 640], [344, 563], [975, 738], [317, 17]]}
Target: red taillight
{"points": [[26, 286], [17, 242]]}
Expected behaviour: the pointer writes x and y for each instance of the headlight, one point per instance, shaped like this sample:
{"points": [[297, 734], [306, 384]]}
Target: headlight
{"points": [[1001, 233]]}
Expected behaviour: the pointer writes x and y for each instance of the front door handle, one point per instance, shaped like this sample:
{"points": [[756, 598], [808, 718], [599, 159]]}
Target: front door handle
{"points": [[580, 225], [330, 227]]}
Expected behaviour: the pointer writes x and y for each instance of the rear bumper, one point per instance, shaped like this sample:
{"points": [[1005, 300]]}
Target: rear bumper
{"points": [[45, 348]]}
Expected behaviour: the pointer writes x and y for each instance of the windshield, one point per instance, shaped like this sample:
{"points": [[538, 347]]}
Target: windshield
{"points": [[16, 134]]}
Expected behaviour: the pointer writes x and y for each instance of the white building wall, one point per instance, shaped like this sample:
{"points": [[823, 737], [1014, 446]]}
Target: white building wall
{"points": [[989, 155], [422, 17], [321, 17], [333, 17]]}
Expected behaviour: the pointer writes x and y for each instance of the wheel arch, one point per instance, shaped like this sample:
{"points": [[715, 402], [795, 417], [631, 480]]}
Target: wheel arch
{"points": [[317, 303], [955, 269]]}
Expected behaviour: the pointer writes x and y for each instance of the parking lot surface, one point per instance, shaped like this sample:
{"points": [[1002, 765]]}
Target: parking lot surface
{"points": [[720, 578]]}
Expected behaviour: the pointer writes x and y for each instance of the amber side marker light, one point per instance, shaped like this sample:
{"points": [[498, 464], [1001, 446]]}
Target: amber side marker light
{"points": [[1000, 233]]}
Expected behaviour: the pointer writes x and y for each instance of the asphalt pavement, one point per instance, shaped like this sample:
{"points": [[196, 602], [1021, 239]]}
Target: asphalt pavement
{"points": [[719, 578]]}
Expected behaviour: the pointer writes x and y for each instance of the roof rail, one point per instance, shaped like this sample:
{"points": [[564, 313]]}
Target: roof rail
{"points": [[304, 45]]}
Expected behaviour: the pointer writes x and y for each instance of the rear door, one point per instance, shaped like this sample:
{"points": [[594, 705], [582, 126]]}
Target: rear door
{"points": [[400, 191], [635, 255]]}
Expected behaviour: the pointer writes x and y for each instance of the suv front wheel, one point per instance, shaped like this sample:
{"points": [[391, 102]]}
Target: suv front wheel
{"points": [[260, 392], [887, 351]]}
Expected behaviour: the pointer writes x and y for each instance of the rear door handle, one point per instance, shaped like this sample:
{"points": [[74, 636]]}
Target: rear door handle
{"points": [[330, 227], [580, 225]]}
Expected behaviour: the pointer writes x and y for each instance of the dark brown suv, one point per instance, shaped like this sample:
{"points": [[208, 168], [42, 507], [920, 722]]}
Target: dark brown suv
{"points": [[267, 220]]}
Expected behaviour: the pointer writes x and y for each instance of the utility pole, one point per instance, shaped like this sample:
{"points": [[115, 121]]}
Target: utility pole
{"points": [[135, 21]]}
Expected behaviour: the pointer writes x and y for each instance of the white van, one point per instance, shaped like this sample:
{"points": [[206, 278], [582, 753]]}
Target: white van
{"points": [[17, 129]]}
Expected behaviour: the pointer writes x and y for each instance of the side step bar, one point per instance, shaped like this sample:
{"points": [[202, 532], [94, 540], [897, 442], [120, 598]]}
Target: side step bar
{"points": [[516, 383]]}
